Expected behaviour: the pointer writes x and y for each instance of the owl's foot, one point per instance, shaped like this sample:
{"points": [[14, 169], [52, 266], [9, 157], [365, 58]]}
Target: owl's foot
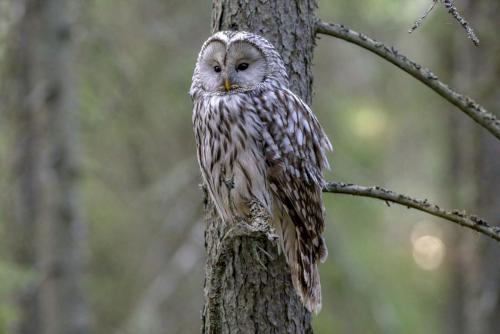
{"points": [[262, 225], [229, 183], [260, 221], [271, 235]]}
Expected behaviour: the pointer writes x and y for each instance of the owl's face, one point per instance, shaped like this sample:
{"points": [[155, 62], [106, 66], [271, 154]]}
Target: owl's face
{"points": [[236, 65], [237, 61]]}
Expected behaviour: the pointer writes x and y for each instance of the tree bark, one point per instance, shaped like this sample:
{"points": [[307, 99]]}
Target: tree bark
{"points": [[248, 288], [46, 218]]}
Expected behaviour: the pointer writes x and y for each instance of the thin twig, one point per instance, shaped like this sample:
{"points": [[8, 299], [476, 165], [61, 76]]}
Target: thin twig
{"points": [[455, 216], [463, 102], [452, 9], [418, 22]]}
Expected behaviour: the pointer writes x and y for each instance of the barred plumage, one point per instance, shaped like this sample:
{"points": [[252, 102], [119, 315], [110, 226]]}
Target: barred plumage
{"points": [[258, 141]]}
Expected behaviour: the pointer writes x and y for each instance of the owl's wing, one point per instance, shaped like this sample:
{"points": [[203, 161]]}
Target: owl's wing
{"points": [[294, 148]]}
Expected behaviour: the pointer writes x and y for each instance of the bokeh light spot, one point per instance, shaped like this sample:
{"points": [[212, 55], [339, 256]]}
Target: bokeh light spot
{"points": [[368, 123], [428, 252]]}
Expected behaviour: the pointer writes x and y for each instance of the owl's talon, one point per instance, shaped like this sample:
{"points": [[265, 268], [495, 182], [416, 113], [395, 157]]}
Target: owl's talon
{"points": [[229, 183], [271, 236]]}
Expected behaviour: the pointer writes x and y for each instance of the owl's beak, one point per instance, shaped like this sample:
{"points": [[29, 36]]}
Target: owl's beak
{"points": [[227, 84]]}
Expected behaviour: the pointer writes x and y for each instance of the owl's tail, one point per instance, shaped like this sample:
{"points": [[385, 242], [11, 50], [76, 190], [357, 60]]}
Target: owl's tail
{"points": [[302, 257]]}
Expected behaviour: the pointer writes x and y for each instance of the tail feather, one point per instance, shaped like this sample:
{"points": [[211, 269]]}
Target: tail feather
{"points": [[305, 278], [302, 259], [312, 297]]}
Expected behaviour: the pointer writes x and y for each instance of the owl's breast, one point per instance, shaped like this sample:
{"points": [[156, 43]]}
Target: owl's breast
{"points": [[230, 152]]}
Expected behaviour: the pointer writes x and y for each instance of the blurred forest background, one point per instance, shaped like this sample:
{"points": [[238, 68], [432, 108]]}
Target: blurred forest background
{"points": [[140, 237]]}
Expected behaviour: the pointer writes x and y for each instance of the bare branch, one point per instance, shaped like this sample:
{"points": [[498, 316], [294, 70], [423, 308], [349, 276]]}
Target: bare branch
{"points": [[478, 113], [452, 9], [456, 14], [455, 216]]}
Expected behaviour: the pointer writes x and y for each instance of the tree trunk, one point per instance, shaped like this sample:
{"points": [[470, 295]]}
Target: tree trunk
{"points": [[248, 288], [476, 299], [47, 221]]}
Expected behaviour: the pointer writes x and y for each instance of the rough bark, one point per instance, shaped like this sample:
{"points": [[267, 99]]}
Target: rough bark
{"points": [[247, 284], [47, 222]]}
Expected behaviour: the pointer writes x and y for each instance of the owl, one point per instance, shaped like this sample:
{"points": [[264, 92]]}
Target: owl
{"points": [[259, 142]]}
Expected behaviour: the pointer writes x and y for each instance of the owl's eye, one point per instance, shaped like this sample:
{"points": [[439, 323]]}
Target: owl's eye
{"points": [[242, 67], [217, 68]]}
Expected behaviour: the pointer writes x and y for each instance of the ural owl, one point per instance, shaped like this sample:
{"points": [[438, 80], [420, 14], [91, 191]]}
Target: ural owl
{"points": [[258, 141]]}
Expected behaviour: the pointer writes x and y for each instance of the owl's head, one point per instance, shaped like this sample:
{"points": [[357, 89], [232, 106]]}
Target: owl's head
{"points": [[231, 61]]}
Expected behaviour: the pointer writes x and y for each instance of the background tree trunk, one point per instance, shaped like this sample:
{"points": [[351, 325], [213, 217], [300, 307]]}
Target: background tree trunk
{"points": [[247, 290], [47, 221], [475, 295]]}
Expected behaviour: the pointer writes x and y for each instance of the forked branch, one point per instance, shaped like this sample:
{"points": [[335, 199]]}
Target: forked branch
{"points": [[455, 216], [479, 114], [452, 9]]}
